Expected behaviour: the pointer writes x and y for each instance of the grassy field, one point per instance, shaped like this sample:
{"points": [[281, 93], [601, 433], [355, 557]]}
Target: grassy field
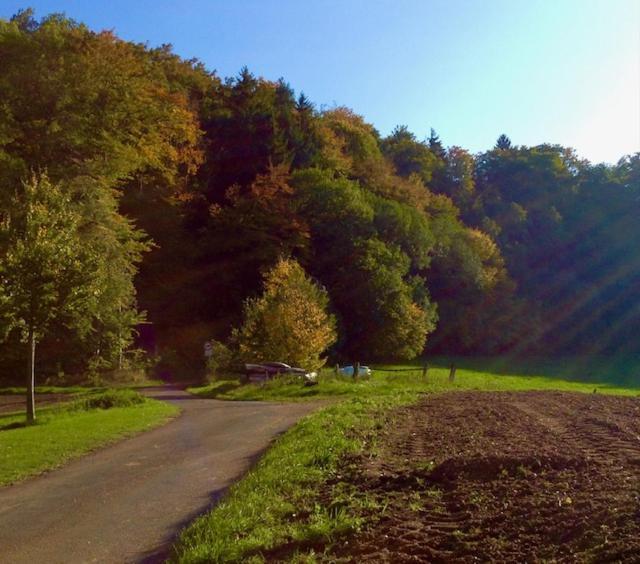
{"points": [[479, 374], [65, 432], [293, 501]]}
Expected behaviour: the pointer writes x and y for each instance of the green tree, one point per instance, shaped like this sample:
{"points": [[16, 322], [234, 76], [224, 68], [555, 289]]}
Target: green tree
{"points": [[386, 313], [503, 143], [436, 146], [289, 321], [110, 121], [48, 274], [363, 248], [408, 155]]}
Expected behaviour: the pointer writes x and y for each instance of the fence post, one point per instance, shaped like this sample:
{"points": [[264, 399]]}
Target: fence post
{"points": [[452, 373], [356, 371], [337, 369], [425, 369]]}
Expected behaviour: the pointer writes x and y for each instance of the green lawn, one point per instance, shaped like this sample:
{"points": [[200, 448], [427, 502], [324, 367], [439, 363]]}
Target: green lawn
{"points": [[293, 502], [478, 374], [63, 433]]}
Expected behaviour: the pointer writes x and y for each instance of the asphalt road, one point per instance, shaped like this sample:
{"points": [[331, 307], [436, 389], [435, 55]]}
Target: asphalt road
{"points": [[126, 503]]}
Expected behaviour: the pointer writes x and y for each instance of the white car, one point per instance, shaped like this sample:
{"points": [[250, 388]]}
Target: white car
{"points": [[364, 371]]}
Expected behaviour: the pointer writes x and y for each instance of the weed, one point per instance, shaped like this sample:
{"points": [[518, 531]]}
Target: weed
{"points": [[425, 466], [109, 399]]}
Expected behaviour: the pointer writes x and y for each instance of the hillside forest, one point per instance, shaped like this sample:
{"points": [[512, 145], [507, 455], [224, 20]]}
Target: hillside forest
{"points": [[182, 189]]}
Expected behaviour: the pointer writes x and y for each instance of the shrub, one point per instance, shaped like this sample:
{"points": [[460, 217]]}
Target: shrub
{"points": [[221, 361], [109, 399], [289, 322]]}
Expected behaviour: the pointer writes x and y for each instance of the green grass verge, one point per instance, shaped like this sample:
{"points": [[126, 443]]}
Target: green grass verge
{"points": [[293, 502], [63, 433], [482, 375], [278, 503]]}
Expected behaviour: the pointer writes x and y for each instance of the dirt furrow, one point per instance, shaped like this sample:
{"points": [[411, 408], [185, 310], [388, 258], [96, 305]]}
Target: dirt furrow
{"points": [[510, 477]]}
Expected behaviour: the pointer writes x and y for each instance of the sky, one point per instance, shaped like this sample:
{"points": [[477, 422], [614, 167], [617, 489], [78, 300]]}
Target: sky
{"points": [[555, 71]]}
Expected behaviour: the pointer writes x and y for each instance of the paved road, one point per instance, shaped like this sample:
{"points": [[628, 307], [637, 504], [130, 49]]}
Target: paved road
{"points": [[126, 503]]}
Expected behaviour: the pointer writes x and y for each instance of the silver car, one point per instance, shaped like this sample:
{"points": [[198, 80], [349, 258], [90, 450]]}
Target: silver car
{"points": [[268, 370]]}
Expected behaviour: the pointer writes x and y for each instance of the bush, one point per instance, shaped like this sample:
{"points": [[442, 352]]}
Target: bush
{"points": [[221, 361], [289, 322], [109, 399]]}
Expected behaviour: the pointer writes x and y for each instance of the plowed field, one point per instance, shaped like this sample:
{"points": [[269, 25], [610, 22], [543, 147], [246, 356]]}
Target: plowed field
{"points": [[510, 477]]}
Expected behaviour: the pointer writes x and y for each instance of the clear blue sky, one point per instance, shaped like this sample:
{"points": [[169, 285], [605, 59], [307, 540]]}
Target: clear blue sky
{"points": [[559, 71]]}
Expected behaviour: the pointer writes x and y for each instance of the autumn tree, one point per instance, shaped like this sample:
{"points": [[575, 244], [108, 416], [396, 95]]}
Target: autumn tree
{"points": [[104, 117], [289, 321]]}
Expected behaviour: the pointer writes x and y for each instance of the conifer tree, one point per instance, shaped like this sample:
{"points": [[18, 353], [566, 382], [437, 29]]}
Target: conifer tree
{"points": [[503, 143]]}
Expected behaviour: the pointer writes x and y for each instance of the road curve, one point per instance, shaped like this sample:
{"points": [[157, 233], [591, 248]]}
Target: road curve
{"points": [[126, 502]]}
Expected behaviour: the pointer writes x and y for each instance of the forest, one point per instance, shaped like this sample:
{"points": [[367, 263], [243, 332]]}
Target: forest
{"points": [[172, 191]]}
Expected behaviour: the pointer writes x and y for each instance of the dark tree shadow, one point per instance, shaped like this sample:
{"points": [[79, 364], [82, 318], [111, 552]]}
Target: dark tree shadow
{"points": [[165, 552]]}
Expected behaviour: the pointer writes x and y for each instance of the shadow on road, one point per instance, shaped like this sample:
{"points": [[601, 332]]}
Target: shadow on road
{"points": [[167, 397], [163, 552]]}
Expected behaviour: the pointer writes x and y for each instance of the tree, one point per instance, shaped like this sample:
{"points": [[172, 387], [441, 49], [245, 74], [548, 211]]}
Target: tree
{"points": [[84, 104], [436, 145], [363, 248], [289, 321], [408, 155], [386, 314], [503, 143], [110, 121], [48, 274]]}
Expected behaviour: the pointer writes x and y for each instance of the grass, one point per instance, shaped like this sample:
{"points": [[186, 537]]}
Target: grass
{"points": [[19, 391], [481, 375], [65, 432], [293, 503], [77, 389], [277, 504]]}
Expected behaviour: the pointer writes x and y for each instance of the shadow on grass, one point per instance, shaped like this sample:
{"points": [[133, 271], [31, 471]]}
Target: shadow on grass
{"points": [[222, 388], [16, 425]]}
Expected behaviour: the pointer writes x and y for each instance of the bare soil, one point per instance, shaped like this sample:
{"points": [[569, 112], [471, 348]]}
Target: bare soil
{"points": [[507, 477]]}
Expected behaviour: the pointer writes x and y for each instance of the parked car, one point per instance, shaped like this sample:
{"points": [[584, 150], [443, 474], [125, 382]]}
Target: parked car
{"points": [[268, 370], [363, 372]]}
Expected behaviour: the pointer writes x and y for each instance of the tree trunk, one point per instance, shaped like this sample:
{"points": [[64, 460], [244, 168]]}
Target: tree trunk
{"points": [[31, 378]]}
